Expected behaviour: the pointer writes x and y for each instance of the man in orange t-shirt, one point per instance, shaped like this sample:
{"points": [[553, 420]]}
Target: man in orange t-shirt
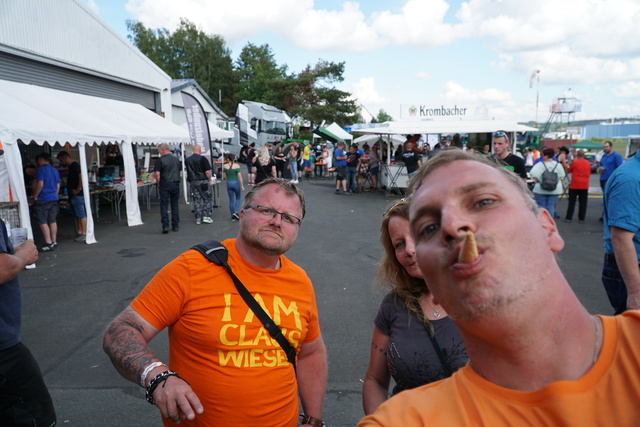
{"points": [[580, 170], [231, 372], [537, 357]]}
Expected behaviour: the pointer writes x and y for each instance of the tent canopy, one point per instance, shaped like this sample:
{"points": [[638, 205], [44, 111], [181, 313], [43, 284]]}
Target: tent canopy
{"points": [[586, 145], [445, 126], [33, 113], [326, 134], [215, 131], [335, 129], [372, 139]]}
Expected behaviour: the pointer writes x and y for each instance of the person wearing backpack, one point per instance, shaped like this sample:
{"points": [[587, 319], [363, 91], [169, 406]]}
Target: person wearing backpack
{"points": [[547, 175]]}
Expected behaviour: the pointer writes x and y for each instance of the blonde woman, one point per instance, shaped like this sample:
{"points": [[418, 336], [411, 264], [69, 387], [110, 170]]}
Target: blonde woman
{"points": [[231, 172], [264, 166], [414, 341]]}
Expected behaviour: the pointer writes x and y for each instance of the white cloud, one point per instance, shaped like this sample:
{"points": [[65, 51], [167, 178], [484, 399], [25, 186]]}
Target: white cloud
{"points": [[365, 92], [295, 20], [343, 30], [488, 103], [572, 41], [630, 89], [422, 75], [420, 23]]}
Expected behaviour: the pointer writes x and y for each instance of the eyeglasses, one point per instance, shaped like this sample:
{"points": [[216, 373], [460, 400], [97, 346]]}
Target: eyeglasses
{"points": [[267, 211], [500, 134]]}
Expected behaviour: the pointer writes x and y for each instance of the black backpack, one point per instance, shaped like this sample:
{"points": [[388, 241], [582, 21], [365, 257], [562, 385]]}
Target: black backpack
{"points": [[549, 179]]}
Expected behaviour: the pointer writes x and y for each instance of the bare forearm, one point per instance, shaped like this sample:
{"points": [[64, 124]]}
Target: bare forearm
{"points": [[312, 382], [127, 348], [373, 395]]}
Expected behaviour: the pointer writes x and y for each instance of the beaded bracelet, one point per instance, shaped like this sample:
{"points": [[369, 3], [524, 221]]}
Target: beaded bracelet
{"points": [[308, 419], [155, 382]]}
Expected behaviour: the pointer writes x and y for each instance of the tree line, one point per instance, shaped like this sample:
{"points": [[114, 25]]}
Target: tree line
{"points": [[310, 96]]}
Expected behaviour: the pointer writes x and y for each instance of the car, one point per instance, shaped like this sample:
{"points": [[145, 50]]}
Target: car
{"points": [[592, 158]]}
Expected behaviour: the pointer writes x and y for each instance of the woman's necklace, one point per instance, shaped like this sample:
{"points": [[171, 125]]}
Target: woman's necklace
{"points": [[436, 313]]}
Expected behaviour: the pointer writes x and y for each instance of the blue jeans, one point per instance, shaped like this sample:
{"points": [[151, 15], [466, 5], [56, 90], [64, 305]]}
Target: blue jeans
{"points": [[351, 178], [233, 190], [615, 287], [547, 201], [169, 192], [294, 170], [77, 206]]}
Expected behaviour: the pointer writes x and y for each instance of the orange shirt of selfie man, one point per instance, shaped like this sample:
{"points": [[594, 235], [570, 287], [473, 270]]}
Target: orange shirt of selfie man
{"points": [[240, 374], [607, 394]]}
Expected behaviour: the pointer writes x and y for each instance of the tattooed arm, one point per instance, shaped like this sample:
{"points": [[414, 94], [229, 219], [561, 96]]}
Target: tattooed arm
{"points": [[125, 341], [375, 389]]}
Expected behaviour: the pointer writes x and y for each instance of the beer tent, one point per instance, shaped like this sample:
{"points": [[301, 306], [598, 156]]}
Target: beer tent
{"points": [[33, 113]]}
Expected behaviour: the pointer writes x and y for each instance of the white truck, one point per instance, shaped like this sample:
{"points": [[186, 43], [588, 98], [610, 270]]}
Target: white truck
{"points": [[260, 123]]}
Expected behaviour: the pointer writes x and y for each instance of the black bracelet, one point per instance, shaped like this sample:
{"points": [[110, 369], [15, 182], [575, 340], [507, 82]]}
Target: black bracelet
{"points": [[155, 382], [307, 419]]}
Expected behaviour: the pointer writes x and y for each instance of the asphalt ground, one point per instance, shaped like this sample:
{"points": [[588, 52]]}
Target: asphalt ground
{"points": [[76, 290]]}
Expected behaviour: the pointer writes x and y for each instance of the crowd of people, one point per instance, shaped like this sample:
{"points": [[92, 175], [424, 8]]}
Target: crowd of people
{"points": [[479, 327]]}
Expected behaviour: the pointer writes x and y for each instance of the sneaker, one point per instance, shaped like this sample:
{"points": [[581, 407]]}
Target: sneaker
{"points": [[47, 248], [175, 228], [581, 221], [165, 230], [235, 215], [80, 238], [233, 218], [55, 245], [207, 220], [337, 191], [347, 193], [567, 220], [198, 221]]}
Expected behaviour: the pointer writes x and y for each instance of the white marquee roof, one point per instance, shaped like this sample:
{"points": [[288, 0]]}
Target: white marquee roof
{"points": [[445, 126]]}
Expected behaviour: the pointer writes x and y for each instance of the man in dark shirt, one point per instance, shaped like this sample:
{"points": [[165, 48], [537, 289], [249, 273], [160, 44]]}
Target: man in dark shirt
{"points": [[353, 162], [501, 147], [24, 398], [198, 175], [167, 173], [75, 193]]}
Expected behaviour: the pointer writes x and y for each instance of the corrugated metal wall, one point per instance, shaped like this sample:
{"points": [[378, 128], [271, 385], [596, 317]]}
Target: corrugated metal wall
{"points": [[69, 32], [611, 130], [24, 70]]}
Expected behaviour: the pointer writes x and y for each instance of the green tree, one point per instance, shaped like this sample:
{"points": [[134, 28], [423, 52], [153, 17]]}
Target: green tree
{"points": [[259, 77], [189, 53], [383, 117], [312, 96]]}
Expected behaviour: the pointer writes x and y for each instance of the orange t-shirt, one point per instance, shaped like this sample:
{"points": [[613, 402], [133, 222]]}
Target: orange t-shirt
{"points": [[240, 374], [608, 394]]}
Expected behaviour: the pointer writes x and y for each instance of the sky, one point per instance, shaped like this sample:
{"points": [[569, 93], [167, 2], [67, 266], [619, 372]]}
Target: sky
{"points": [[497, 59]]}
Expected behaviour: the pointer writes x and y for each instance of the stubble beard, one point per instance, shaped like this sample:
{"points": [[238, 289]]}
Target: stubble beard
{"points": [[270, 248]]}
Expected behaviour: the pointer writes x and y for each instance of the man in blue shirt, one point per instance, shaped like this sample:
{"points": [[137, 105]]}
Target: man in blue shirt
{"points": [[621, 270], [341, 168], [45, 196], [609, 162]]}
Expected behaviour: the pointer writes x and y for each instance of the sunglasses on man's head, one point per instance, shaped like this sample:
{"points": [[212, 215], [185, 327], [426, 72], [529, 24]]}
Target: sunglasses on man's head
{"points": [[499, 134]]}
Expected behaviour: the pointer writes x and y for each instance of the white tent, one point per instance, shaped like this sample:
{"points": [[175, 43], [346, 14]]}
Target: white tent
{"points": [[33, 113], [372, 139], [335, 129], [445, 126], [215, 131]]}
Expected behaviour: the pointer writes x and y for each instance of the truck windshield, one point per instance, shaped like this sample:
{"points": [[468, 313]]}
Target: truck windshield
{"points": [[275, 128]]}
